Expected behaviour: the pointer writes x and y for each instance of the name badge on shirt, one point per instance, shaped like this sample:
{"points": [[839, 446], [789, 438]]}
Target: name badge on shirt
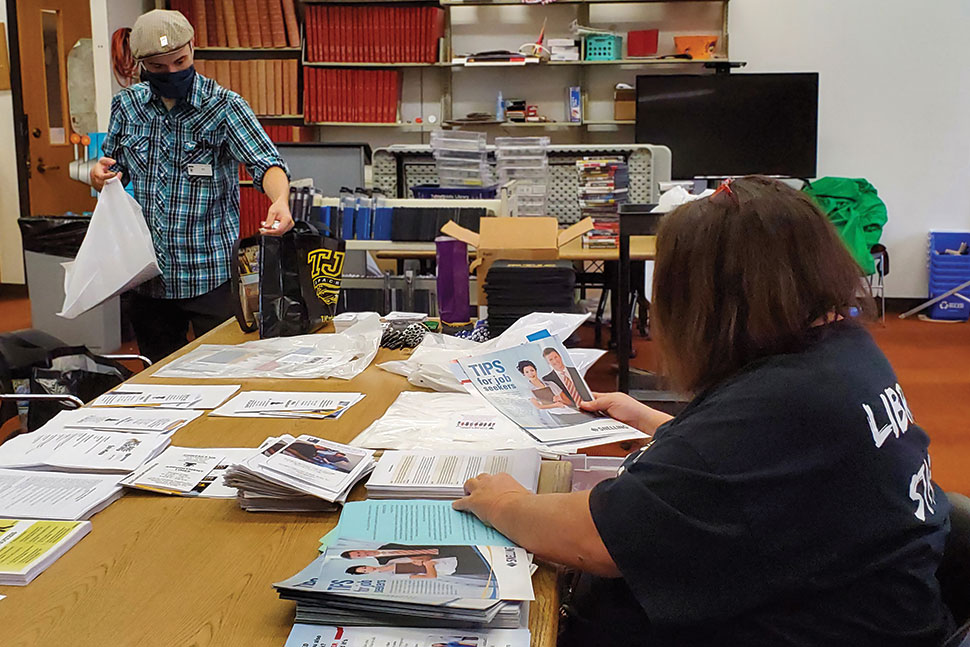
{"points": [[200, 170]]}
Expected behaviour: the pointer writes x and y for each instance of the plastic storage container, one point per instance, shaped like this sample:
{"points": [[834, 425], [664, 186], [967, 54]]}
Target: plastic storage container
{"points": [[603, 47], [431, 191], [948, 271]]}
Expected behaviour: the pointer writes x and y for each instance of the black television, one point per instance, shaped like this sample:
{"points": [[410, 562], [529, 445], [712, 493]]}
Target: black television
{"points": [[721, 125]]}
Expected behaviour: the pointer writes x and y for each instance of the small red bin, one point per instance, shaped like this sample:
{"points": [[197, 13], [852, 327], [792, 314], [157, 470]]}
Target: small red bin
{"points": [[642, 42]]}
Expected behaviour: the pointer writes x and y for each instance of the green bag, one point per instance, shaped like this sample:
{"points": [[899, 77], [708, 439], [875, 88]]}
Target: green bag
{"points": [[854, 207]]}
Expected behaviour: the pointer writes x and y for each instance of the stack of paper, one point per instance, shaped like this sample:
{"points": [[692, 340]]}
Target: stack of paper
{"points": [[47, 495], [28, 546], [414, 564], [430, 475], [288, 404], [66, 450], [189, 471], [303, 635], [166, 396], [132, 420], [298, 474]]}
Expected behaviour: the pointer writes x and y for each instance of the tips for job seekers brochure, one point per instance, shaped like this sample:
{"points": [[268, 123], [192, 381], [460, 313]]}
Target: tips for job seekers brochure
{"points": [[537, 386]]}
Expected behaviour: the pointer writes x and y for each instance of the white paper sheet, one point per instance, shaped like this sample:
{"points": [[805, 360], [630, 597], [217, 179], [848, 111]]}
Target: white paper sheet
{"points": [[303, 635], [409, 472], [167, 396], [48, 495], [288, 404], [190, 471]]}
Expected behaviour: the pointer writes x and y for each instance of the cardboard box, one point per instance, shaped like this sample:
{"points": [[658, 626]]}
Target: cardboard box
{"points": [[624, 105], [514, 239]]}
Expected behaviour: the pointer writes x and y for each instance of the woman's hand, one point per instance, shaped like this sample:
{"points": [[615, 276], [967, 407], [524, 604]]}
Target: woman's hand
{"points": [[624, 408], [487, 493]]}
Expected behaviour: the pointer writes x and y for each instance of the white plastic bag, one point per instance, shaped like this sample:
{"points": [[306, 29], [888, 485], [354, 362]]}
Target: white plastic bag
{"points": [[427, 366], [116, 254]]}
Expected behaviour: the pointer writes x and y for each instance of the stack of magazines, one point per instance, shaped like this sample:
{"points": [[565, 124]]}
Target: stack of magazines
{"points": [[302, 474], [433, 475], [603, 185], [413, 564]]}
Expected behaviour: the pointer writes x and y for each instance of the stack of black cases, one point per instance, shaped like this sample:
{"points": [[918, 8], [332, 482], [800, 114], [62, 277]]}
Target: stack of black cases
{"points": [[516, 288]]}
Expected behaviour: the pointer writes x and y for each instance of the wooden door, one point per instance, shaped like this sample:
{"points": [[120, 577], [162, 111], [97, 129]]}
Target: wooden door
{"points": [[48, 30]]}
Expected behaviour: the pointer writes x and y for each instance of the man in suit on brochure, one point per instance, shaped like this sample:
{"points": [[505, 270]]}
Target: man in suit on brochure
{"points": [[565, 380]]}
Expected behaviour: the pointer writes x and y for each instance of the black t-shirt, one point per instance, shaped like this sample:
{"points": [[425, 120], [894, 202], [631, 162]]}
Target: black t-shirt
{"points": [[792, 504]]}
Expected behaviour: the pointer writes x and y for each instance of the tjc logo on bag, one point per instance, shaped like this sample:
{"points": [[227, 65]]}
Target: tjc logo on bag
{"points": [[326, 267]]}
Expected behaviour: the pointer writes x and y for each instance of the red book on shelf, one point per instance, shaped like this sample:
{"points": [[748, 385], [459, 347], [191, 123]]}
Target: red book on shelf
{"points": [[330, 90], [375, 33], [345, 37], [229, 17], [336, 32], [344, 94], [211, 29], [265, 33], [289, 20], [252, 22], [381, 34], [395, 93], [358, 33], [318, 97], [421, 38], [414, 33], [200, 23], [373, 98], [320, 33], [307, 93], [242, 24], [220, 24], [314, 16], [351, 96], [277, 24]]}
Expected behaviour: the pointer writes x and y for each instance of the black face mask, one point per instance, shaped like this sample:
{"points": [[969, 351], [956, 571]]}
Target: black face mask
{"points": [[170, 85]]}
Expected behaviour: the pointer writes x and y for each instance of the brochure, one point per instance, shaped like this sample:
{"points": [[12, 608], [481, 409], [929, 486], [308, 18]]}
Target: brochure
{"points": [[51, 495], [29, 546], [166, 396], [329, 636], [420, 573], [81, 451], [288, 404], [133, 420], [431, 475], [537, 386], [189, 471]]}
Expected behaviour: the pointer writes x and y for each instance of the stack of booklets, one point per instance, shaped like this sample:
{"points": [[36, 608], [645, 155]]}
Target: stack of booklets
{"points": [[350, 95], [298, 474], [413, 564], [29, 546], [190, 471], [242, 23], [320, 636], [604, 185], [435, 475], [269, 86], [517, 288], [288, 404], [27, 494], [537, 386], [375, 34], [123, 419], [55, 449]]}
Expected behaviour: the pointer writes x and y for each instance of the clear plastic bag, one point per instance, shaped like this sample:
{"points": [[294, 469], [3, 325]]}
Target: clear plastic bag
{"points": [[116, 255]]}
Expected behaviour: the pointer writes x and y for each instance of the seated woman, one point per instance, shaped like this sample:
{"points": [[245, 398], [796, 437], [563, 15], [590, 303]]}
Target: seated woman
{"points": [[791, 502]]}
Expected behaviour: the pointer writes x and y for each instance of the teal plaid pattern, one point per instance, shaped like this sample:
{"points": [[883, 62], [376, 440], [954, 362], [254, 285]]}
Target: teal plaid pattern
{"points": [[193, 219]]}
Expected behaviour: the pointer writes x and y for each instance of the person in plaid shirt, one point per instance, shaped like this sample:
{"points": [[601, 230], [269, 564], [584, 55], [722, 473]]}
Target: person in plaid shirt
{"points": [[178, 138]]}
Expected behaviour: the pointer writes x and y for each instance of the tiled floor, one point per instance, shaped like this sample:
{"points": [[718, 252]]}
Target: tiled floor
{"points": [[932, 361]]}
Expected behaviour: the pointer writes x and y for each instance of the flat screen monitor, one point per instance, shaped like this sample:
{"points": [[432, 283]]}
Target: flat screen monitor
{"points": [[330, 165], [722, 125]]}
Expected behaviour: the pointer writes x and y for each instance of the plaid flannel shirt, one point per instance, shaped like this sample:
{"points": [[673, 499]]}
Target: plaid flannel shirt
{"points": [[193, 217]]}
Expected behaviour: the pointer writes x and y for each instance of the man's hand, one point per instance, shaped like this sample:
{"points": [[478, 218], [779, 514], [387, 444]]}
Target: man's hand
{"points": [[622, 407], [486, 494], [100, 172], [278, 219]]}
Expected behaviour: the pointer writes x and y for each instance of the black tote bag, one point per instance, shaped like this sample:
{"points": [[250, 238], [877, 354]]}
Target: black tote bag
{"points": [[299, 281]]}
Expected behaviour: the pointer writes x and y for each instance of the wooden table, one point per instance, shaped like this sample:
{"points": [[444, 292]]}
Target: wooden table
{"points": [[170, 571]]}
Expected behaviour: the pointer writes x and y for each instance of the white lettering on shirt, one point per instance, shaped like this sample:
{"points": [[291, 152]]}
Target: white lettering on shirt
{"points": [[898, 415], [921, 490]]}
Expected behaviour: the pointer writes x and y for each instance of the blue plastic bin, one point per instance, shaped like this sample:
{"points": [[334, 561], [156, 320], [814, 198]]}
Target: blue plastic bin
{"points": [[433, 191], [947, 272]]}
